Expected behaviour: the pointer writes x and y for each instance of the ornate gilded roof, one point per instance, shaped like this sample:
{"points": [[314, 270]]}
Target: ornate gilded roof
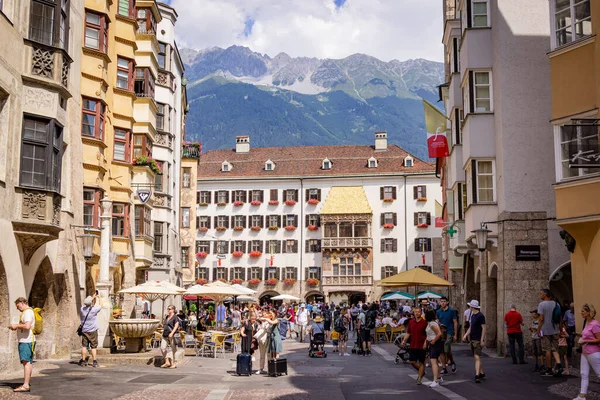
{"points": [[346, 200]]}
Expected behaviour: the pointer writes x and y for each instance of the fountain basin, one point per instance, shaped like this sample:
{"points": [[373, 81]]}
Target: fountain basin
{"points": [[134, 331]]}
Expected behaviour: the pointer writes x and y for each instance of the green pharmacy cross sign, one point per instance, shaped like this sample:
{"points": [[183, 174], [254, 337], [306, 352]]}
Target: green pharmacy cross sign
{"points": [[451, 231]]}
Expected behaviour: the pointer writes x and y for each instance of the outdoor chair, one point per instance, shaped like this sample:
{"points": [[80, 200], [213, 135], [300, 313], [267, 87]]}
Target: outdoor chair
{"points": [[380, 332], [217, 341], [190, 342], [234, 341], [388, 333]]}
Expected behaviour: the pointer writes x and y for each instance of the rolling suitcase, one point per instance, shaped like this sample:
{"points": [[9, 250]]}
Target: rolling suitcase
{"points": [[277, 366], [244, 364]]}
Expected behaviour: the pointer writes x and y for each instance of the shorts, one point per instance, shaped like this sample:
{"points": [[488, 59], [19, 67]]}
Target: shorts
{"points": [[550, 343], [562, 350], [537, 347], [417, 355], [327, 326], [26, 352], [334, 342], [89, 338], [365, 335], [292, 325], [448, 344], [476, 347], [435, 350]]}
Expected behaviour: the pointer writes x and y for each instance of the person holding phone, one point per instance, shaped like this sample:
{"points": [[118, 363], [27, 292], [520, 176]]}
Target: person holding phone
{"points": [[89, 328]]}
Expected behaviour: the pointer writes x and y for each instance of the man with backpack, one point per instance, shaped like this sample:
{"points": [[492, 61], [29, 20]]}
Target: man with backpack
{"points": [[340, 325], [366, 322], [550, 315], [327, 324], [26, 339]]}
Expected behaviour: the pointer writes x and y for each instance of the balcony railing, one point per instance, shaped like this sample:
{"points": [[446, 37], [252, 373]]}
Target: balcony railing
{"points": [[189, 151], [340, 243], [346, 280]]}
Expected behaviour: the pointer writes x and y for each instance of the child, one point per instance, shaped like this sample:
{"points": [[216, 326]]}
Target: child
{"points": [[536, 341], [563, 346], [334, 340]]}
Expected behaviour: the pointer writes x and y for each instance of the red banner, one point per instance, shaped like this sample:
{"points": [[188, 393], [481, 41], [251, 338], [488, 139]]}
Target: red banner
{"points": [[439, 222]]}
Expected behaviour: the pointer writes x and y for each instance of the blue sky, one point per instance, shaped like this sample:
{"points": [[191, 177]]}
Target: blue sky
{"points": [[386, 29]]}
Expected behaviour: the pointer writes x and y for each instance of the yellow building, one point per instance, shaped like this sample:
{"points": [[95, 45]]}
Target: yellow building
{"points": [[575, 81], [119, 68]]}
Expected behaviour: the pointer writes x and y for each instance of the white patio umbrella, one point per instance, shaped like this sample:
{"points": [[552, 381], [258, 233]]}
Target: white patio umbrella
{"points": [[430, 295], [244, 289], [244, 298], [216, 292], [154, 290], [285, 297]]}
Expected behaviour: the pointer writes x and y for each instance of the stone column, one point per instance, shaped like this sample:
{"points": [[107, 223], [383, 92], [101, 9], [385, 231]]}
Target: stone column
{"points": [[104, 285]]}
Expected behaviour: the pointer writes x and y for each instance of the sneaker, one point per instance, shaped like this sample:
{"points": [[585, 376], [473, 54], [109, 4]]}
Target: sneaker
{"points": [[453, 366], [440, 380], [434, 385], [444, 371], [558, 372], [419, 381], [258, 372], [547, 373], [95, 364], [482, 376], [82, 363], [347, 355], [477, 379], [369, 353]]}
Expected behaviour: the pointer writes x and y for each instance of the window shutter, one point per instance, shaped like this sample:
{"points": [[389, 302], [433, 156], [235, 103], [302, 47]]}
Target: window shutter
{"points": [[197, 222], [307, 246], [295, 247], [306, 220], [382, 218], [460, 203], [469, 14], [383, 245], [428, 218], [428, 244], [296, 194], [318, 220], [424, 191], [216, 247], [457, 125], [307, 194], [296, 221], [279, 221], [471, 83], [266, 273], [455, 54], [474, 180], [245, 196], [232, 221], [278, 246], [395, 245], [273, 195], [216, 221], [209, 197], [319, 273], [395, 216], [279, 273], [243, 274], [197, 197], [226, 196], [208, 222], [262, 246], [216, 196], [319, 194], [244, 248], [319, 245], [394, 192], [306, 272], [381, 193], [283, 246], [295, 273], [416, 219], [382, 272], [395, 270], [262, 221], [262, 196], [415, 192], [226, 246]]}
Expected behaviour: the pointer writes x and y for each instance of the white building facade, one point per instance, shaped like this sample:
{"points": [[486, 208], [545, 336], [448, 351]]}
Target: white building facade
{"points": [[323, 221]]}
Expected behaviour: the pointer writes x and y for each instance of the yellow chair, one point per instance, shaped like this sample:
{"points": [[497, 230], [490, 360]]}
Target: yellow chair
{"points": [[218, 342], [381, 331], [396, 332]]}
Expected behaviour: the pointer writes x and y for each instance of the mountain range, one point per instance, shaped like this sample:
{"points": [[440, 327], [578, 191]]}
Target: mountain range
{"points": [[285, 101]]}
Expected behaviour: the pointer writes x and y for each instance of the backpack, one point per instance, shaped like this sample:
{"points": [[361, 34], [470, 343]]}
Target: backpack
{"points": [[327, 315], [555, 314], [38, 326], [370, 318], [338, 325]]}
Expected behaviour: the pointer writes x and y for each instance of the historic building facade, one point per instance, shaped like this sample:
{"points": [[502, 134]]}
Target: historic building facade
{"points": [[40, 171], [323, 221], [498, 172], [575, 122]]}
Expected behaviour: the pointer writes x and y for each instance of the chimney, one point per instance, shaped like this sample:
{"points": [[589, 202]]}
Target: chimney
{"points": [[242, 144], [380, 141]]}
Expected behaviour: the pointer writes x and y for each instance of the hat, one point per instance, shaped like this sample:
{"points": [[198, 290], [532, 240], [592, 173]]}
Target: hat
{"points": [[474, 304], [88, 301], [302, 305], [318, 319], [513, 306]]}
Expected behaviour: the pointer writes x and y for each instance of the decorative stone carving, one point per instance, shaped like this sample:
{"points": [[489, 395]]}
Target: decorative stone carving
{"points": [[160, 262], [64, 77], [42, 63], [39, 99], [162, 200], [163, 79], [161, 139], [56, 204], [34, 205], [32, 236]]}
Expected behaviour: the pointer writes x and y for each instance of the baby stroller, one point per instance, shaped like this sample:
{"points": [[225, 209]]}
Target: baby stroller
{"points": [[402, 353], [357, 349], [317, 345]]}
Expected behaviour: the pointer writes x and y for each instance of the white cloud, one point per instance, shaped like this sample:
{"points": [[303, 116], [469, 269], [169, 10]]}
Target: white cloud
{"points": [[386, 29]]}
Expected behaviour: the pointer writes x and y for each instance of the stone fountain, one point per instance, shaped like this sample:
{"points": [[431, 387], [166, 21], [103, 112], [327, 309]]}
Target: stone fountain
{"points": [[134, 331]]}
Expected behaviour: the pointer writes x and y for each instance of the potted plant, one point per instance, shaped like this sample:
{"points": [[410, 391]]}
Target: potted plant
{"points": [[256, 202], [236, 281], [193, 307], [256, 228], [201, 254], [313, 228], [289, 281], [290, 202], [388, 226], [203, 204], [201, 281], [147, 162], [237, 254], [221, 204], [290, 228], [238, 203], [273, 202], [255, 254], [221, 228], [388, 200], [220, 280], [271, 281], [422, 226], [238, 228], [422, 199], [116, 311], [313, 201], [203, 229], [254, 282], [273, 227], [312, 282]]}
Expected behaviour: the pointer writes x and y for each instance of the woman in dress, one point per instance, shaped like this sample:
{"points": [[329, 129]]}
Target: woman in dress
{"points": [[436, 346], [275, 344], [263, 344], [247, 332], [590, 348]]}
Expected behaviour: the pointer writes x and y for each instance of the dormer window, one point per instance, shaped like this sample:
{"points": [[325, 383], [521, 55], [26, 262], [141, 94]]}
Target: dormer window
{"points": [[326, 164], [408, 162], [372, 162], [226, 166], [269, 165]]}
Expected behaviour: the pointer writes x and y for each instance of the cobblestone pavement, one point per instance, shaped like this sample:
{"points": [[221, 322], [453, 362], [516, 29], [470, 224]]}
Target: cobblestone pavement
{"points": [[331, 378]]}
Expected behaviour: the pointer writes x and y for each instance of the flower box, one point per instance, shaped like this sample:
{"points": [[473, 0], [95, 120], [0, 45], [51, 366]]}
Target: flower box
{"points": [[238, 228], [238, 203], [289, 281], [202, 281], [254, 282], [313, 228], [273, 228], [237, 254], [290, 228], [221, 228], [312, 282], [203, 229], [146, 161], [388, 200], [272, 281], [256, 228], [256, 202], [201, 254], [290, 202], [221, 204], [255, 254], [236, 281], [274, 203], [313, 201], [422, 226], [388, 226], [422, 199], [203, 204], [220, 280]]}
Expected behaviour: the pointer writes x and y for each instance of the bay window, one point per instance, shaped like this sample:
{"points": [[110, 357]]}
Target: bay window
{"points": [[92, 119], [158, 178], [122, 145], [125, 74], [146, 22], [578, 148], [144, 83], [346, 267], [158, 237], [120, 219], [96, 32], [49, 22], [162, 55], [142, 221], [41, 154], [572, 21], [91, 207], [142, 146], [478, 92], [480, 175], [160, 116]]}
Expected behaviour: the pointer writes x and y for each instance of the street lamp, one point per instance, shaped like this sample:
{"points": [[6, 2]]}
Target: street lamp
{"points": [[481, 236], [88, 240]]}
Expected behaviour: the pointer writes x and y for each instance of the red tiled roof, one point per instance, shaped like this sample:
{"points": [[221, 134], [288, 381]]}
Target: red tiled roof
{"points": [[307, 161]]}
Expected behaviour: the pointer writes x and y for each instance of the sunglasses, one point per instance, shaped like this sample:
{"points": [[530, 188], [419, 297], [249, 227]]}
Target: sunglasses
{"points": [[586, 307]]}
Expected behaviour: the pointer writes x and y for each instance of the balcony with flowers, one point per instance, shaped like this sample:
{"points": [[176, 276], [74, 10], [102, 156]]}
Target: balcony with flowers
{"points": [[255, 203], [273, 202], [201, 254], [237, 254], [256, 254], [236, 281], [271, 281], [255, 228], [191, 150], [313, 228]]}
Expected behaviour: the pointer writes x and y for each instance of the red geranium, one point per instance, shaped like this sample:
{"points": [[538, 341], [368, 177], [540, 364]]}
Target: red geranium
{"points": [[238, 203], [290, 228], [237, 254], [202, 281], [313, 201], [313, 228], [273, 203], [272, 281], [201, 254], [290, 202], [388, 226], [312, 282], [256, 202]]}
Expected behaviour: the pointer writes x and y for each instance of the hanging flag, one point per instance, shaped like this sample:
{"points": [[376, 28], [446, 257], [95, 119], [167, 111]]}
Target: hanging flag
{"points": [[435, 124], [271, 254], [219, 262], [423, 259]]}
